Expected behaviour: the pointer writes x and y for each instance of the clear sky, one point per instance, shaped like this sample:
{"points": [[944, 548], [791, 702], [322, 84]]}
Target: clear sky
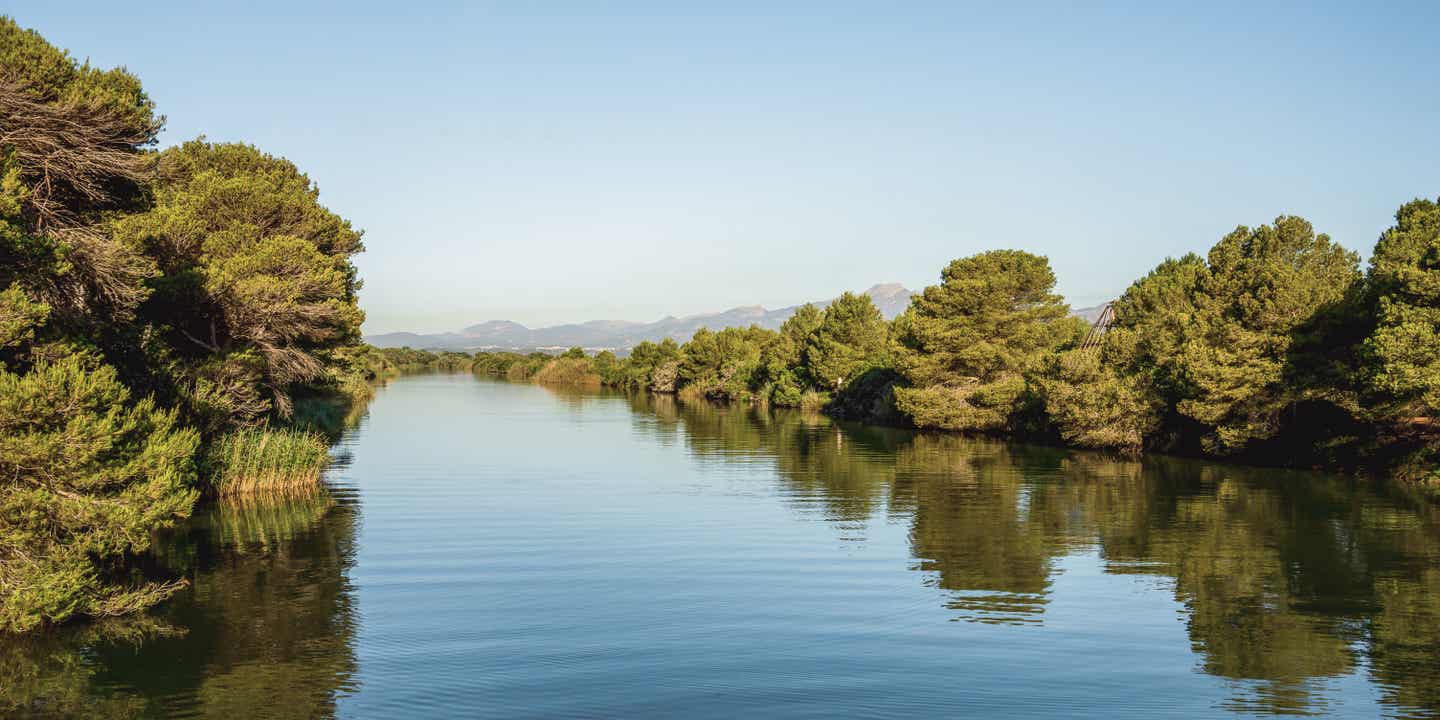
{"points": [[551, 162]]}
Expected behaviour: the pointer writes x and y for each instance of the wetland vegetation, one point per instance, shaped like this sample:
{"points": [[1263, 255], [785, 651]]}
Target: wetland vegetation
{"points": [[180, 348]]}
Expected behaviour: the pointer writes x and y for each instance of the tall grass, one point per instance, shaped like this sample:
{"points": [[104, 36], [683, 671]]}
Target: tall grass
{"points": [[568, 371], [266, 460]]}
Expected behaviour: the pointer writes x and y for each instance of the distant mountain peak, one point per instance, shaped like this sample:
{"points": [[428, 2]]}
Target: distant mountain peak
{"points": [[890, 298], [494, 326], [887, 290]]}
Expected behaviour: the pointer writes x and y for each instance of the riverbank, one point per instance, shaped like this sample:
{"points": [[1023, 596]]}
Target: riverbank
{"points": [[616, 552], [870, 402]]}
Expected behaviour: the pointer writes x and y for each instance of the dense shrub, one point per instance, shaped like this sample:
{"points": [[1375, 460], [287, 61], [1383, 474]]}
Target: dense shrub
{"points": [[568, 370], [89, 472]]}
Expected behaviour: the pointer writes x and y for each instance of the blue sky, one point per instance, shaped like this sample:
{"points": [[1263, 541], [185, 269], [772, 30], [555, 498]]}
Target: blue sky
{"points": [[553, 162]]}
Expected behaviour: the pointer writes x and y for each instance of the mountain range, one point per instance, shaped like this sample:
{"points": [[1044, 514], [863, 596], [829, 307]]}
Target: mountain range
{"points": [[892, 299], [621, 335]]}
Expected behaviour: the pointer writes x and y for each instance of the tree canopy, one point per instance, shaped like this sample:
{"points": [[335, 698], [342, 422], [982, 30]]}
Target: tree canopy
{"points": [[149, 301], [1262, 289], [1404, 349], [255, 275], [850, 338], [966, 344]]}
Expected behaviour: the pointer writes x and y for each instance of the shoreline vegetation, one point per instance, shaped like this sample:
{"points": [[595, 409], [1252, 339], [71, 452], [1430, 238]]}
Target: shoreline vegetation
{"points": [[250, 461], [1274, 349], [176, 325], [182, 323]]}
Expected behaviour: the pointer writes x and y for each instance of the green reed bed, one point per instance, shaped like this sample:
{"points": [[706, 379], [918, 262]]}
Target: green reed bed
{"points": [[266, 460], [568, 371]]}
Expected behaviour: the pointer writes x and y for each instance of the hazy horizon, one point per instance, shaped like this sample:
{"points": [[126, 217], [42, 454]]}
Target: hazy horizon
{"points": [[701, 313], [561, 164]]}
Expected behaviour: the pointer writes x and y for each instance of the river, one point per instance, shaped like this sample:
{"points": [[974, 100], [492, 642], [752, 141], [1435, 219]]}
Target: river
{"points": [[486, 549]]}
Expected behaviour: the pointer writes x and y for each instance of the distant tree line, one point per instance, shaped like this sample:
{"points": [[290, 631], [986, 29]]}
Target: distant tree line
{"points": [[1274, 347]]}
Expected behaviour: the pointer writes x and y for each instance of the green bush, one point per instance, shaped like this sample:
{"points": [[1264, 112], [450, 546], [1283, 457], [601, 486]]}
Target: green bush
{"points": [[568, 370], [88, 474]]}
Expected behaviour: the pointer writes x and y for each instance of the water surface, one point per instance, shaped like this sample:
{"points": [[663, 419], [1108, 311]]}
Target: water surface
{"points": [[502, 550]]}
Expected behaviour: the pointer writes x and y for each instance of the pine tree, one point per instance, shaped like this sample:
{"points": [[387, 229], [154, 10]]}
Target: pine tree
{"points": [[89, 474], [966, 344], [1262, 289], [1403, 353], [850, 338]]}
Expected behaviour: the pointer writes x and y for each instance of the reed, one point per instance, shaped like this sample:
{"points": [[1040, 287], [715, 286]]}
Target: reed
{"points": [[568, 371], [266, 460]]}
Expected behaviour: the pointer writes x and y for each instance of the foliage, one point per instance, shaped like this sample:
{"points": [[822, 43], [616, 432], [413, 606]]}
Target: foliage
{"points": [[1403, 368], [89, 473], [783, 363], [250, 262], [1222, 352], [19, 316], [850, 338], [966, 344], [870, 398], [1252, 307], [723, 365], [568, 370], [606, 364], [406, 359], [1118, 396], [1095, 407], [148, 301], [71, 142], [645, 360]]}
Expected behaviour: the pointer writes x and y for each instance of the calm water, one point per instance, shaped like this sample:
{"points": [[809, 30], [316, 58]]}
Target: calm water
{"points": [[497, 550]]}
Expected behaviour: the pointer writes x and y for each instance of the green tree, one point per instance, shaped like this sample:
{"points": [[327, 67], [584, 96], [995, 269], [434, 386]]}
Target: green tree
{"points": [[606, 366], [256, 274], [1402, 355], [1119, 395], [723, 365], [637, 371], [88, 475], [1093, 406], [850, 339], [782, 361], [1263, 289], [795, 335], [72, 142], [966, 344]]}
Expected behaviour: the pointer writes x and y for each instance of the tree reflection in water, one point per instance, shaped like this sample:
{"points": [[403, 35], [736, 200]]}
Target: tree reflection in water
{"points": [[1287, 579], [266, 629]]}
